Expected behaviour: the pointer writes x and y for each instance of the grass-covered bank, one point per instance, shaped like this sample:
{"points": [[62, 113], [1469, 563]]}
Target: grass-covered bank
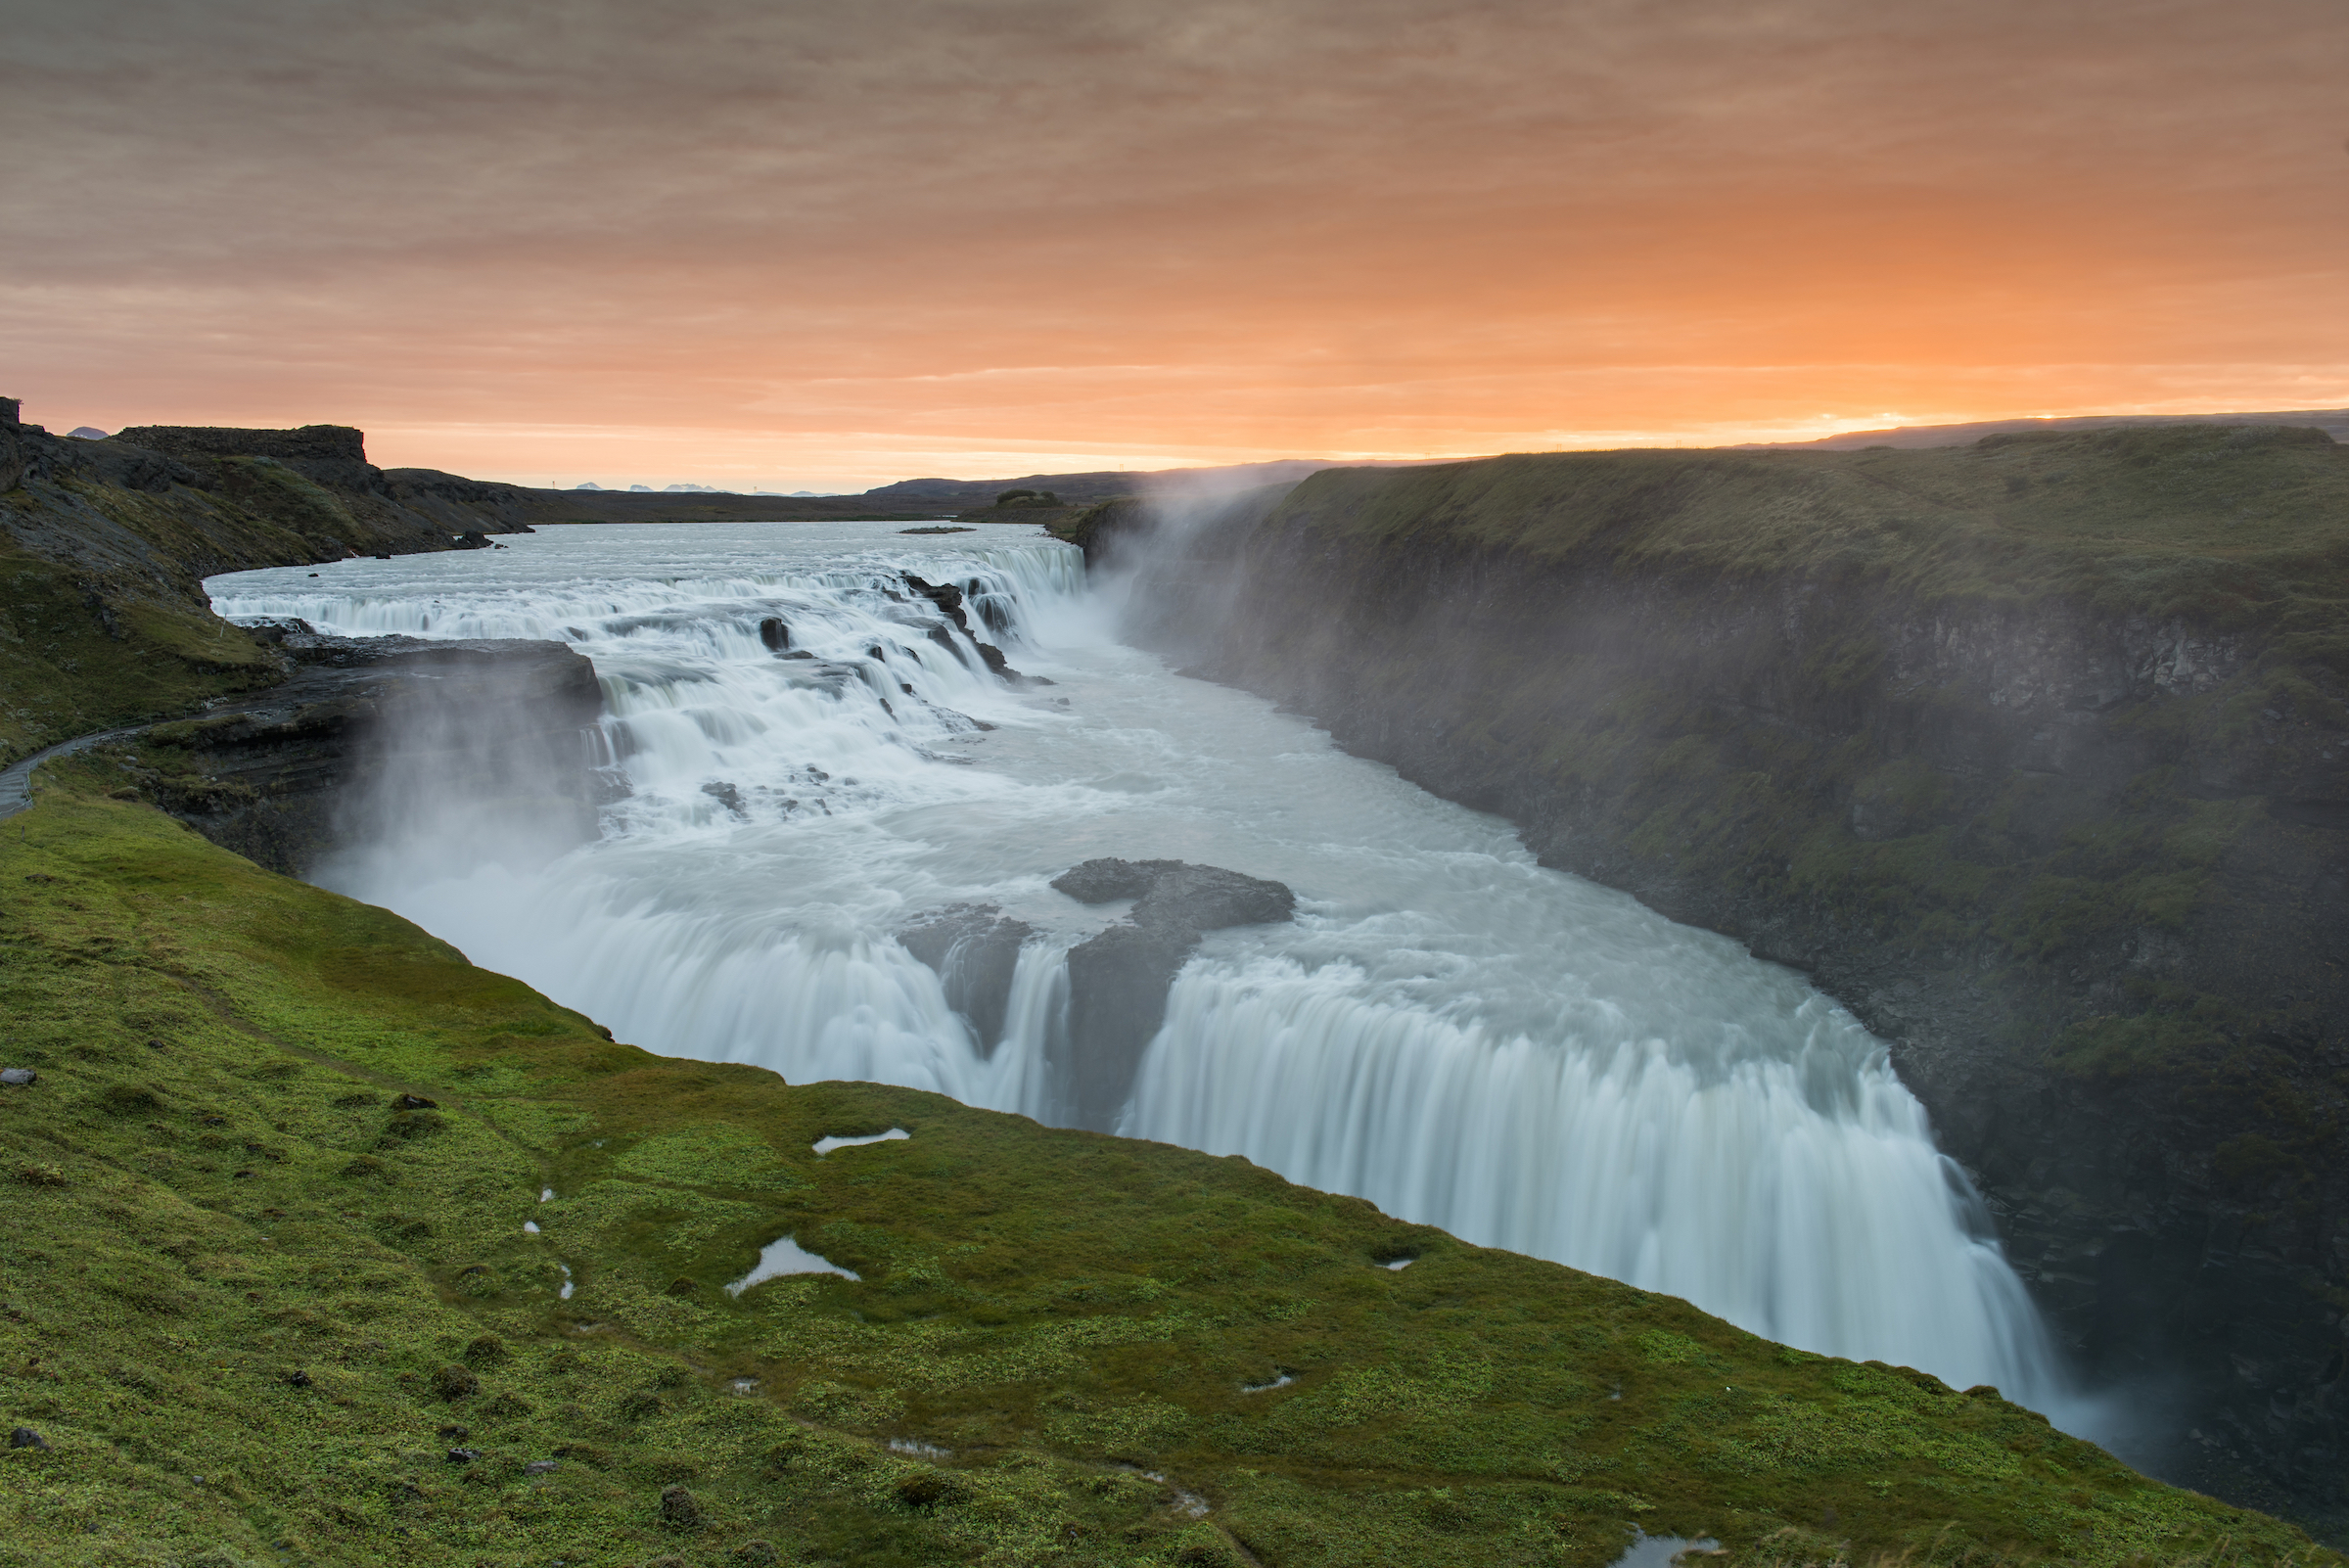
{"points": [[255, 1295]]}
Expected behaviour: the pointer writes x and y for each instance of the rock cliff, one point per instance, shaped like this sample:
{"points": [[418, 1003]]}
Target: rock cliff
{"points": [[367, 729], [2034, 753], [105, 546]]}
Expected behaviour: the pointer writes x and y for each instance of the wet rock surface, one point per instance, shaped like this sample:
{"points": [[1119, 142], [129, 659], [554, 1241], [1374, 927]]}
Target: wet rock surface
{"points": [[283, 778], [950, 601], [975, 948], [1117, 981]]}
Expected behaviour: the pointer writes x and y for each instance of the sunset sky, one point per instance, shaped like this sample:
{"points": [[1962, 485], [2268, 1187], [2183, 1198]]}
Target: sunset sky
{"points": [[834, 243]]}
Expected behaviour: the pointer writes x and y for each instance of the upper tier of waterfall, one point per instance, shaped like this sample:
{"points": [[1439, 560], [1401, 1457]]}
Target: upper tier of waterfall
{"points": [[813, 755]]}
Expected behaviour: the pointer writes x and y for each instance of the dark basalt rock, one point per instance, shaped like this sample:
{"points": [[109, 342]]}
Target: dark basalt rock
{"points": [[1176, 893], [975, 948], [1117, 981], [944, 595], [775, 633], [294, 771], [951, 599]]}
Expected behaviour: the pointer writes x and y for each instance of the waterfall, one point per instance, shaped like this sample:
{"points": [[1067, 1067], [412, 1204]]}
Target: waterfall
{"points": [[807, 754]]}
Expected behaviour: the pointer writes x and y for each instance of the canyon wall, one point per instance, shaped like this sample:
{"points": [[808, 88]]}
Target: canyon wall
{"points": [[2033, 753], [105, 546]]}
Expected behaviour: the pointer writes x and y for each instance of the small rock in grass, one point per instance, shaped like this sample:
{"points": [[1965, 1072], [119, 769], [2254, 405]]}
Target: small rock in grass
{"points": [[931, 1488], [18, 1076], [463, 1455], [542, 1467], [24, 1437], [298, 1378], [680, 1509], [413, 1103]]}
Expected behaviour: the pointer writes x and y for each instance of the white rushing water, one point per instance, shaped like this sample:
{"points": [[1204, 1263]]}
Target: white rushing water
{"points": [[1521, 1058]]}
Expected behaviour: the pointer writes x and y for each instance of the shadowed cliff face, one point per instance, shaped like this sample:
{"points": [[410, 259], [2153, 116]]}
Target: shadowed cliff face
{"points": [[2033, 754], [472, 749]]}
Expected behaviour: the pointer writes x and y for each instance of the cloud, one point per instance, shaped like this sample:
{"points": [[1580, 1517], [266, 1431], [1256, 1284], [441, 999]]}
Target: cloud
{"points": [[693, 214]]}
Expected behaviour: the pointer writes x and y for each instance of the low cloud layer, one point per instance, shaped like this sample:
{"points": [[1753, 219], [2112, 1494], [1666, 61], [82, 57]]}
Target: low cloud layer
{"points": [[833, 242]]}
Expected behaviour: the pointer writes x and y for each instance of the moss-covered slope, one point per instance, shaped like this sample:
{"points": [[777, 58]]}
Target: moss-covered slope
{"points": [[263, 1303]]}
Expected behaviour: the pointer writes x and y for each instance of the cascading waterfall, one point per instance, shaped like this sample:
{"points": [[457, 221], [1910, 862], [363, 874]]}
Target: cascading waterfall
{"points": [[1447, 1029]]}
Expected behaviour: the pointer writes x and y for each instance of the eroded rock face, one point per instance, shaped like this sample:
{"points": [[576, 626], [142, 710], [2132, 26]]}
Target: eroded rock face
{"points": [[495, 726], [1117, 981], [975, 948]]}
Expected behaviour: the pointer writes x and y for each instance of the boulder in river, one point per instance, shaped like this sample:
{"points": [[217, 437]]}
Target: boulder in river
{"points": [[975, 948], [1117, 981]]}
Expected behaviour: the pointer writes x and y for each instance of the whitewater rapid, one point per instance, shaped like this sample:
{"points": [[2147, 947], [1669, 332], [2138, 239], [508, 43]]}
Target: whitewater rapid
{"points": [[1467, 1040]]}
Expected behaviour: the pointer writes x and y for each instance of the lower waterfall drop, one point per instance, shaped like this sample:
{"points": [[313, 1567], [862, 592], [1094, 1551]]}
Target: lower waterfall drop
{"points": [[1447, 1029]]}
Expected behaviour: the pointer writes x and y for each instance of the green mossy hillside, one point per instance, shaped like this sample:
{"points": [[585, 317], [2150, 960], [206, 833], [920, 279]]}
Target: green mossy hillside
{"points": [[2241, 529], [263, 1303], [71, 661]]}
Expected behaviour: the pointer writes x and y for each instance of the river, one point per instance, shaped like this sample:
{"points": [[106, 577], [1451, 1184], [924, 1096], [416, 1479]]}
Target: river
{"points": [[1521, 1058]]}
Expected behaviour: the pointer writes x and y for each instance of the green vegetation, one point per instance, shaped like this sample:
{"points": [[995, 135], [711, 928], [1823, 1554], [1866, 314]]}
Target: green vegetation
{"points": [[73, 660], [254, 1291], [2242, 529]]}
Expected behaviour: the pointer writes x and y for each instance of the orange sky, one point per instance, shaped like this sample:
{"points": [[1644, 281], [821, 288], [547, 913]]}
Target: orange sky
{"points": [[834, 243]]}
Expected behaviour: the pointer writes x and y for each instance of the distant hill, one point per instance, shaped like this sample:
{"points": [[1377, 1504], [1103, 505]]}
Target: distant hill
{"points": [[1081, 490], [2335, 422], [707, 506]]}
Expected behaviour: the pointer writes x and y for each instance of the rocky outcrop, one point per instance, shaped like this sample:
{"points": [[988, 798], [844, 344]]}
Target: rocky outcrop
{"points": [[2009, 746], [1117, 981], [370, 729], [105, 545], [950, 601], [332, 455], [975, 948]]}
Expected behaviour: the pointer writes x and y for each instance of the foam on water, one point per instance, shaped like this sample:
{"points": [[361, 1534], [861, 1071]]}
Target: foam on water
{"points": [[1448, 1029]]}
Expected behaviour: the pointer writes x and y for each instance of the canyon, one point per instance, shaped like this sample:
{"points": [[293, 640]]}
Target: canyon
{"points": [[2030, 751]]}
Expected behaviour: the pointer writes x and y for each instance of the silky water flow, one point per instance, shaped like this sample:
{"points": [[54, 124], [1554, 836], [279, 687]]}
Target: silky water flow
{"points": [[1467, 1040]]}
